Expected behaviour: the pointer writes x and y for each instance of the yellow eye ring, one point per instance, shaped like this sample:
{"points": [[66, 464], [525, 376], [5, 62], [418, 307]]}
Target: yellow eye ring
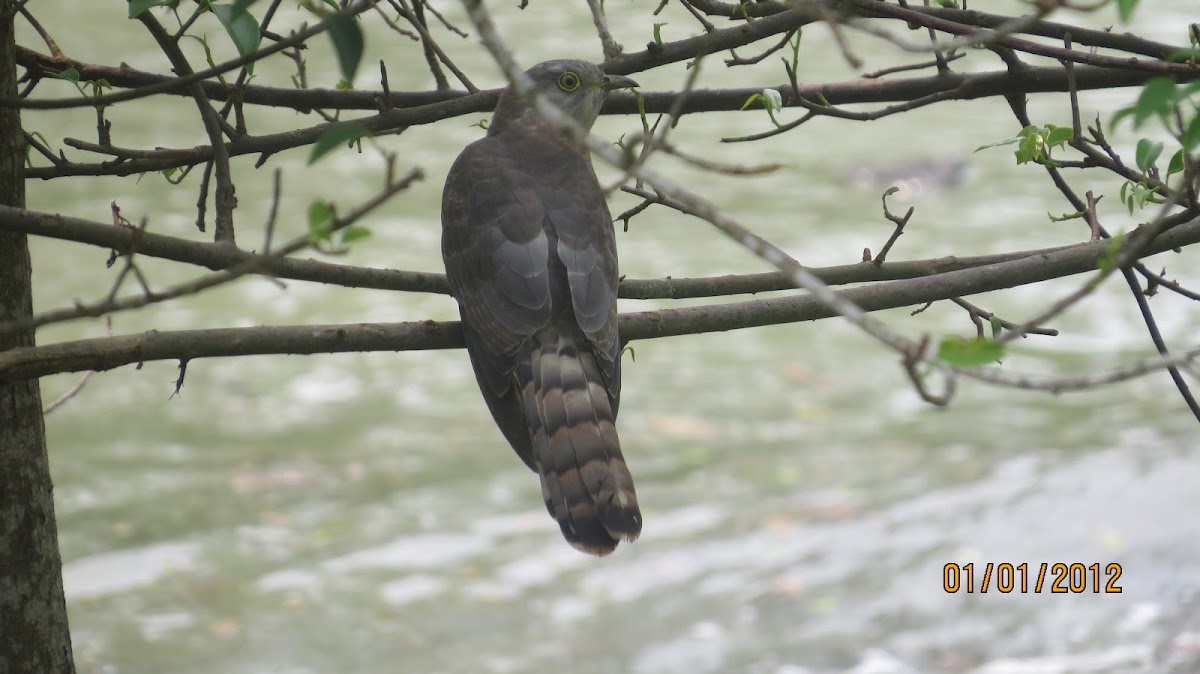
{"points": [[568, 81]]}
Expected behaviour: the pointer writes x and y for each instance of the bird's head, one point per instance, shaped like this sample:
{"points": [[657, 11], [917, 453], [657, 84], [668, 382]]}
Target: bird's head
{"points": [[577, 87]]}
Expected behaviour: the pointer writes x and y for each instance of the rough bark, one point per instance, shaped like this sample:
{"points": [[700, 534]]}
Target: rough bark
{"points": [[33, 612]]}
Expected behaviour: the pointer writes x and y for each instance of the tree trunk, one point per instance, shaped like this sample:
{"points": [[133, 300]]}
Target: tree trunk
{"points": [[33, 613]]}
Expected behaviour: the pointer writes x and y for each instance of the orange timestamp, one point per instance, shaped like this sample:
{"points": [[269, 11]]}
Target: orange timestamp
{"points": [[1057, 578]]}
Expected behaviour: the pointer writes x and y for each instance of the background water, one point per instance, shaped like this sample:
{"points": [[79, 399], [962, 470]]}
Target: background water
{"points": [[360, 513]]}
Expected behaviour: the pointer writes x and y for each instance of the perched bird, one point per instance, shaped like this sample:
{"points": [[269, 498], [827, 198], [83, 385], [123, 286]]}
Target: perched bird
{"points": [[528, 244]]}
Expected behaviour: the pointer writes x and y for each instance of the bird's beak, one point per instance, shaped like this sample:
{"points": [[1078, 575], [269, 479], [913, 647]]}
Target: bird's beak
{"points": [[611, 82]]}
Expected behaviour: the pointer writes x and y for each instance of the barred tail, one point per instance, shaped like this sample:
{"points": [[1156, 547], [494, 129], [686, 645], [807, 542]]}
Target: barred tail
{"points": [[585, 482]]}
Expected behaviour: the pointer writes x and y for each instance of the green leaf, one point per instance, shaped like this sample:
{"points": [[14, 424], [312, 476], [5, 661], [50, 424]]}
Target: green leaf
{"points": [[1030, 148], [1065, 216], [347, 42], [1110, 252], [336, 135], [320, 221], [1141, 194], [1176, 163], [1002, 143], [1030, 130], [175, 176], [1157, 98], [1191, 136], [970, 352], [751, 101], [1120, 115], [1147, 153], [136, 7], [344, 85], [1186, 90], [1059, 135], [354, 233], [1034, 143], [997, 327], [658, 34], [641, 105], [241, 27], [70, 75], [1125, 9], [1184, 55], [772, 101]]}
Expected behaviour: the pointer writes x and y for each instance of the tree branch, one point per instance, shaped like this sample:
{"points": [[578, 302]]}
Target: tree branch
{"points": [[113, 304], [963, 87], [225, 200], [179, 85], [108, 352], [215, 257]]}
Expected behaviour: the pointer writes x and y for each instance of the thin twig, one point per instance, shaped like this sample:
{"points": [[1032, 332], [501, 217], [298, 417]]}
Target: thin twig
{"points": [[708, 25], [839, 37], [652, 141], [224, 198], [611, 49], [740, 61], [815, 109], [938, 57], [1159, 280], [899, 221], [912, 66], [1073, 89], [50, 43], [276, 194], [912, 362], [979, 315], [402, 10], [449, 26], [41, 148], [1159, 343], [1089, 214], [69, 393]]}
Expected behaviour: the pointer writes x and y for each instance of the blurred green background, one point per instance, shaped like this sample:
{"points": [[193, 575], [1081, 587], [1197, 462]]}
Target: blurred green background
{"points": [[361, 513]]}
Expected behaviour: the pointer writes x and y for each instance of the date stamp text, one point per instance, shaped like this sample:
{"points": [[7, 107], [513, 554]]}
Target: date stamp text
{"points": [[1056, 578]]}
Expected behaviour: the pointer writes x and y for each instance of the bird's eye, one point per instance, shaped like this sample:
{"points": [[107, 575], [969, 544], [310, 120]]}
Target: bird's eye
{"points": [[568, 81]]}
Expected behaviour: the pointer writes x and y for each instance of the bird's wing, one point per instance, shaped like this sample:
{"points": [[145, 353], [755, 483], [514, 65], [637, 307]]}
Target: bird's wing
{"points": [[496, 251], [587, 249]]}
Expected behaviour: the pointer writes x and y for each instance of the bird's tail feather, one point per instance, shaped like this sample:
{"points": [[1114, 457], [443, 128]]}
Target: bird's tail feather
{"points": [[585, 482]]}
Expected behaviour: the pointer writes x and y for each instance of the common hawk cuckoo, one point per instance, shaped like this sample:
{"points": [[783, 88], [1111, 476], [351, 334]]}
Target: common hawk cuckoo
{"points": [[528, 244]]}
